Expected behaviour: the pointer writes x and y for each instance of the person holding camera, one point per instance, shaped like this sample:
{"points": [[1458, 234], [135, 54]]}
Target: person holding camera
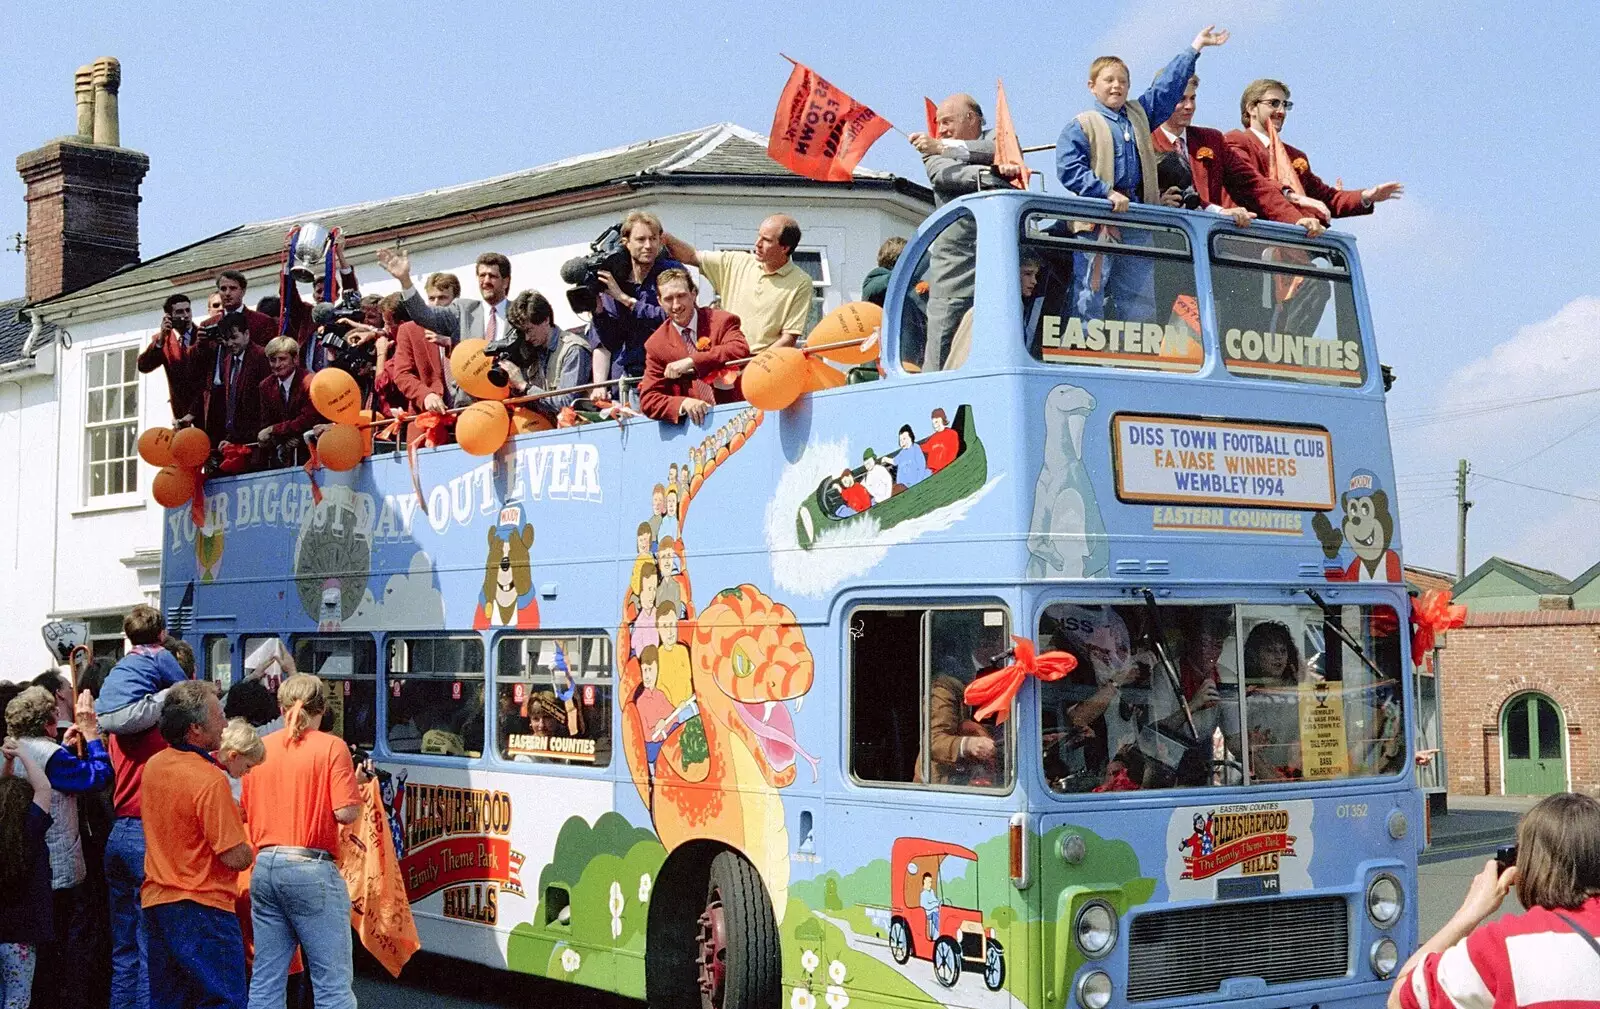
{"points": [[231, 286], [228, 404], [686, 354], [543, 358], [173, 349], [627, 308], [286, 409], [1548, 955], [1215, 170]]}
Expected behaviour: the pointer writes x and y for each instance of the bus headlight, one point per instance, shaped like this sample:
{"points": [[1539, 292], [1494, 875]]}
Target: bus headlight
{"points": [[1094, 990], [1385, 957], [1385, 900], [1095, 929]]}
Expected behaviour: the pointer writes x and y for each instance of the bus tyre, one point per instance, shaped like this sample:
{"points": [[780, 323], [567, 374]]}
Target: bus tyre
{"points": [[994, 966], [899, 940], [946, 962], [740, 965]]}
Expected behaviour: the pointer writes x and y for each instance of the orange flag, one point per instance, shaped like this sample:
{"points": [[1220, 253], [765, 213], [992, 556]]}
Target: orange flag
{"points": [[1007, 148], [819, 131], [932, 112], [379, 910]]}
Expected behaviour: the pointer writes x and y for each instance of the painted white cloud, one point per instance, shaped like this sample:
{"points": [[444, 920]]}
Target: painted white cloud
{"points": [[409, 600]]}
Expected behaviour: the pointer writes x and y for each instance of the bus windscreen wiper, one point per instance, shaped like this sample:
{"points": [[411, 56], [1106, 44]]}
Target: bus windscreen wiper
{"points": [[1153, 635], [1344, 635]]}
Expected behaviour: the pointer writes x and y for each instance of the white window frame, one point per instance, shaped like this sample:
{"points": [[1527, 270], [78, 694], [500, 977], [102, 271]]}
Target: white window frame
{"points": [[130, 456]]}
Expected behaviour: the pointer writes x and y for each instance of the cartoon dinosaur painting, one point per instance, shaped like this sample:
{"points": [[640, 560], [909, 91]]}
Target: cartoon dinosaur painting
{"points": [[710, 751]]}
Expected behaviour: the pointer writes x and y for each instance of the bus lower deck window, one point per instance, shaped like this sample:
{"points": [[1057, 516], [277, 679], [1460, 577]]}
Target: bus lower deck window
{"points": [[435, 702], [348, 668], [553, 698]]}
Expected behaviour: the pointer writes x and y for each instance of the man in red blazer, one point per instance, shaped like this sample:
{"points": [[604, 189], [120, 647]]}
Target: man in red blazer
{"points": [[228, 402], [231, 286], [419, 364], [689, 349], [286, 410], [1216, 168], [173, 349], [1312, 203]]}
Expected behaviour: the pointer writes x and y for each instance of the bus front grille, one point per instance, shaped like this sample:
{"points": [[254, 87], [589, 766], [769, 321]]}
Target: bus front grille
{"points": [[1192, 951]]}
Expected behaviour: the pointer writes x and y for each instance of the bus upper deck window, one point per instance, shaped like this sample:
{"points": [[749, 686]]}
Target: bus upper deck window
{"points": [[1108, 294], [1286, 311], [348, 668], [436, 696], [936, 314]]}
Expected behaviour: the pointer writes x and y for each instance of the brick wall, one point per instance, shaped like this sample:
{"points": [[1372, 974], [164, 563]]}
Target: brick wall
{"points": [[1497, 656], [83, 214]]}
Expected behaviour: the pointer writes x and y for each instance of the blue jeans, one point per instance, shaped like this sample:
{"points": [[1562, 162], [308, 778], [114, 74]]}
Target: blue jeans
{"points": [[300, 900], [130, 985], [196, 957]]}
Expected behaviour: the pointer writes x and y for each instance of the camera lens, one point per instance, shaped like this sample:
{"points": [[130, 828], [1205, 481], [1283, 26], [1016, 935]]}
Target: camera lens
{"points": [[497, 377]]}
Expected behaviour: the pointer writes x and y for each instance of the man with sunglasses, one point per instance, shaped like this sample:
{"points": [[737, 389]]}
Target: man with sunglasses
{"points": [[1262, 109]]}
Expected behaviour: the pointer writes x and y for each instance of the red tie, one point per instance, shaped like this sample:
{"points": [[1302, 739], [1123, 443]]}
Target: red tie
{"points": [[491, 326]]}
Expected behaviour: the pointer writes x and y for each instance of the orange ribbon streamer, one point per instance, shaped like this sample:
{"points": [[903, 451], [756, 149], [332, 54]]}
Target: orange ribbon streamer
{"points": [[1431, 616], [992, 693], [312, 465], [427, 427], [197, 504]]}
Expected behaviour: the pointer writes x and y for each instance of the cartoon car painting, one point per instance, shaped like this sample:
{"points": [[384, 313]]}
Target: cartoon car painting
{"points": [[924, 926]]}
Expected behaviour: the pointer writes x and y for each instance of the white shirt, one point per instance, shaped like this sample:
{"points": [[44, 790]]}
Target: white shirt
{"points": [[689, 332], [878, 482], [499, 310], [1183, 135]]}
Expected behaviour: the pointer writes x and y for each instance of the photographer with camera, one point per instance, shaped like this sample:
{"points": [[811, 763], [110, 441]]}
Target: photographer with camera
{"points": [[616, 284], [231, 286], [286, 410], [538, 357], [1547, 955], [1195, 167], [173, 349], [228, 403]]}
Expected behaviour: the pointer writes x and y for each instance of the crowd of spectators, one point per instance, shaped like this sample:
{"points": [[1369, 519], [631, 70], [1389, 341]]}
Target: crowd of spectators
{"points": [[244, 374], [151, 848]]}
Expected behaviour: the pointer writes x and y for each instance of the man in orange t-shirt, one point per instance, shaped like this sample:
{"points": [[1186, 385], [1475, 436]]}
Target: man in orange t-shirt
{"points": [[195, 845], [294, 803]]}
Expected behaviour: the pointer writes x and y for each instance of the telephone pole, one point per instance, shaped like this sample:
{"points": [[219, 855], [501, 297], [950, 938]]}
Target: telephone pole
{"points": [[1462, 504]]}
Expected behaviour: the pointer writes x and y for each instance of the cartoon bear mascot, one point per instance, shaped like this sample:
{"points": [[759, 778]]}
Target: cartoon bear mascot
{"points": [[507, 599], [1367, 528]]}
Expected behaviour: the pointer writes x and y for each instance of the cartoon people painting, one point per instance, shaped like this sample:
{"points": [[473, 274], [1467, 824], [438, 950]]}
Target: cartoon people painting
{"points": [[930, 903], [943, 445]]}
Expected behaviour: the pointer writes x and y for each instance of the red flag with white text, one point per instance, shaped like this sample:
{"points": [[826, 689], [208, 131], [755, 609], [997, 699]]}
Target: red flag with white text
{"points": [[819, 131]]}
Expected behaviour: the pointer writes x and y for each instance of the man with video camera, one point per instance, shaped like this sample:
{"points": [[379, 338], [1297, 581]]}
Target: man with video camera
{"points": [[174, 348], [616, 284]]}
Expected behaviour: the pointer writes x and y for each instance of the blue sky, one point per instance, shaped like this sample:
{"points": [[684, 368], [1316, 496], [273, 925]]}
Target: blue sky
{"points": [[1482, 280]]}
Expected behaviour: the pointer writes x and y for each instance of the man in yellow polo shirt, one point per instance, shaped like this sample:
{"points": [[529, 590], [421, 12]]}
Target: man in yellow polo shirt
{"points": [[770, 295], [195, 845]]}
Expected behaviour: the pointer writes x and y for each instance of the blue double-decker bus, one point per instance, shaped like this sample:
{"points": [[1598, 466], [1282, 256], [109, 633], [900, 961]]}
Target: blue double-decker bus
{"points": [[682, 711]]}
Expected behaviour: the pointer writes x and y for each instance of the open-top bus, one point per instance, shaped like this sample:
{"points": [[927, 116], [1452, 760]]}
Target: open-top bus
{"points": [[675, 711]]}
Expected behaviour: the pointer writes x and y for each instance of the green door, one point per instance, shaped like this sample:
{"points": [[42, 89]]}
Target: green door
{"points": [[1535, 746]]}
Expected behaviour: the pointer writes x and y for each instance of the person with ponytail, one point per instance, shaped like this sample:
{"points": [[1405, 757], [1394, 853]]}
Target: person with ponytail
{"points": [[25, 905], [294, 804]]}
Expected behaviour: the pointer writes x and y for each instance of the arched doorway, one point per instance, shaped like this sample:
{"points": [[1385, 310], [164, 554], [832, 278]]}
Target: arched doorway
{"points": [[1533, 742]]}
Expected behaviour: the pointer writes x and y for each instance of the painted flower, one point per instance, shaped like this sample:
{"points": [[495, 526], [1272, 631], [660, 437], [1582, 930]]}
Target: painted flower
{"points": [[836, 971], [616, 902], [644, 888], [809, 961], [1205, 153], [835, 996], [570, 960], [802, 999], [1300, 165]]}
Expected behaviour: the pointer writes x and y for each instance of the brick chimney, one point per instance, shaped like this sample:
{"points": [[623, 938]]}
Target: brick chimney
{"points": [[83, 193]]}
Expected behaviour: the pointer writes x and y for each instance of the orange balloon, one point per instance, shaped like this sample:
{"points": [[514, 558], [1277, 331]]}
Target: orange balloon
{"points": [[470, 366], [858, 322], [340, 447], [336, 396], [775, 378], [173, 486], [155, 446], [482, 428], [190, 447], [524, 420], [823, 375]]}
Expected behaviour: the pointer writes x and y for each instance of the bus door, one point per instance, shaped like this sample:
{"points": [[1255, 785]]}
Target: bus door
{"points": [[922, 883]]}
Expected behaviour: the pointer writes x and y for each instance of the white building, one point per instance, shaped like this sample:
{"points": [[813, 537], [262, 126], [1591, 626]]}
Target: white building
{"points": [[82, 535]]}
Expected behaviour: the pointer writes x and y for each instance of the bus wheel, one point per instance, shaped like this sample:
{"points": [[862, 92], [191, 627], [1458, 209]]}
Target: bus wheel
{"points": [[899, 940], [994, 966], [739, 961], [946, 962]]}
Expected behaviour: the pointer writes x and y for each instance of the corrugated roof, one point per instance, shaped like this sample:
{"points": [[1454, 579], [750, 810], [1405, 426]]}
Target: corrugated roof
{"points": [[14, 330], [721, 150]]}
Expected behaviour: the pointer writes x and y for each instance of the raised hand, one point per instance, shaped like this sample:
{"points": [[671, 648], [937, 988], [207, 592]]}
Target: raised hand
{"points": [[396, 263], [1384, 191], [1209, 36]]}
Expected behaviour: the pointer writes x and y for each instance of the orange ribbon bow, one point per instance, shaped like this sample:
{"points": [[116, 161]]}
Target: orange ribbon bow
{"points": [[992, 693], [1433, 615]]}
